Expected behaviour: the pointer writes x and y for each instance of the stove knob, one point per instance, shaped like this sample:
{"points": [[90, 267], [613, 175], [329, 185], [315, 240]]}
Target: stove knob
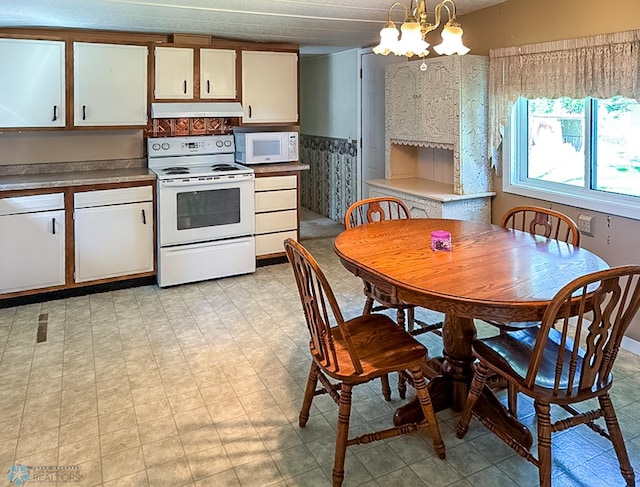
{"points": [[218, 143], [155, 146], [165, 146], [227, 143]]}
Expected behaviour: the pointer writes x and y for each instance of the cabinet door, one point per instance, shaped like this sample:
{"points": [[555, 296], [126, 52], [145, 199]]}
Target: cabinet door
{"points": [[217, 73], [440, 88], [174, 73], [113, 241], [403, 102], [32, 249], [110, 84], [269, 86], [32, 85]]}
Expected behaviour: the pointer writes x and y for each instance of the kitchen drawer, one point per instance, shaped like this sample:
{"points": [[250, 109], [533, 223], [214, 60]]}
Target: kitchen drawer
{"points": [[273, 243], [117, 196], [276, 200], [277, 221], [276, 182], [16, 205]]}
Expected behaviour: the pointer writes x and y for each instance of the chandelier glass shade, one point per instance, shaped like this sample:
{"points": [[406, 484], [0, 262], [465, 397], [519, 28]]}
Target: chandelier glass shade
{"points": [[410, 41]]}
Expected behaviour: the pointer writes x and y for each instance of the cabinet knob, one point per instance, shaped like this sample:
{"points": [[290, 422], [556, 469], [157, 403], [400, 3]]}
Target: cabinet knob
{"points": [[184, 86], [144, 217], [53, 226], [84, 112], [208, 86], [249, 111], [55, 113]]}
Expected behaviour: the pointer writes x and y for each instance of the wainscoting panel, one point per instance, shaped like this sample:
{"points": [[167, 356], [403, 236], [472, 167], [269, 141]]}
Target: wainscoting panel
{"points": [[329, 187]]}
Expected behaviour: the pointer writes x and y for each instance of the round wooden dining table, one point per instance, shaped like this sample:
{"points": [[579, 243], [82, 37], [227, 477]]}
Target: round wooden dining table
{"points": [[490, 273]]}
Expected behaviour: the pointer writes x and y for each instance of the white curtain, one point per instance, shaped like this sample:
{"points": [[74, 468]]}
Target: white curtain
{"points": [[600, 66]]}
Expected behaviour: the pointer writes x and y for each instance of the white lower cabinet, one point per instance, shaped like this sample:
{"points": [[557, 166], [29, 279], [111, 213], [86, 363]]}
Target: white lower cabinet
{"points": [[276, 206], [113, 233], [32, 242]]}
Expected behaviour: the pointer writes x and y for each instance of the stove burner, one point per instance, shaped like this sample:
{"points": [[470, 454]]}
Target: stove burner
{"points": [[176, 170], [223, 167]]}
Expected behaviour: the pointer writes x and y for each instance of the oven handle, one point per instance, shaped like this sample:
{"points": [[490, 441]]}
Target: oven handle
{"points": [[173, 184]]}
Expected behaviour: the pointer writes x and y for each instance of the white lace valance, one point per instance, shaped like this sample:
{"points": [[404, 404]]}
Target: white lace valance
{"points": [[600, 66]]}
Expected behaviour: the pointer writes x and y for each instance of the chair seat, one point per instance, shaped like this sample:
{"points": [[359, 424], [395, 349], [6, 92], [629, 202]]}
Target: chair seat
{"points": [[512, 351], [387, 349]]}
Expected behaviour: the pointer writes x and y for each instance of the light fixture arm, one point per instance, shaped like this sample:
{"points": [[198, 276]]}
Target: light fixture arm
{"points": [[421, 14]]}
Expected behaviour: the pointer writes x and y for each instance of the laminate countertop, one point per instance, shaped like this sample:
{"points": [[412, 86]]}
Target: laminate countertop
{"points": [[42, 176]]}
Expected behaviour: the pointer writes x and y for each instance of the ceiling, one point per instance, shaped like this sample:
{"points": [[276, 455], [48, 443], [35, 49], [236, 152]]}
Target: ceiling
{"points": [[314, 25]]}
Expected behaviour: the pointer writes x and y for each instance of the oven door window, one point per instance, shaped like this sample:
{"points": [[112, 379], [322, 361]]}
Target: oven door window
{"points": [[209, 208]]}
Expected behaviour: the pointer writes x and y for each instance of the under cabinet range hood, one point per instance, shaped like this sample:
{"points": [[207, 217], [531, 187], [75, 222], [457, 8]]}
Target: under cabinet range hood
{"points": [[196, 110]]}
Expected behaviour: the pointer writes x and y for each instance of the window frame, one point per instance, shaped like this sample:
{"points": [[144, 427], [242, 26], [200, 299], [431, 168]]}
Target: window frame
{"points": [[515, 181]]}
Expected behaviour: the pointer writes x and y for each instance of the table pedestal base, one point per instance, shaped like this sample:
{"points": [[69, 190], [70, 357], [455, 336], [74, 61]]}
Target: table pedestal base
{"points": [[449, 379]]}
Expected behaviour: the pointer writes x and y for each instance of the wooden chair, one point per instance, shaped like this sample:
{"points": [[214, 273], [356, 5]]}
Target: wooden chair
{"points": [[377, 209], [566, 364], [345, 354]]}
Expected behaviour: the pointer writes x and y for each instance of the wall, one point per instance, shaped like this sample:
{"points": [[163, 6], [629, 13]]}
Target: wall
{"points": [[328, 127], [69, 146], [504, 25]]}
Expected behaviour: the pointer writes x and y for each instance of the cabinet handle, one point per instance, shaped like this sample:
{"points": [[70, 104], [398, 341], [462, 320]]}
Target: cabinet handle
{"points": [[144, 217], [249, 111], [208, 86], [184, 84], [53, 226], [55, 113], [84, 112]]}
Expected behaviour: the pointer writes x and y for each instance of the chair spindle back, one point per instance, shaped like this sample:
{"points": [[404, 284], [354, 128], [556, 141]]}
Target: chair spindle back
{"points": [[376, 209], [542, 221], [320, 308], [587, 345]]}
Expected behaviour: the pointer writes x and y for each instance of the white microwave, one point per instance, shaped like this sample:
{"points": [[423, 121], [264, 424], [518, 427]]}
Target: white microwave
{"points": [[266, 147]]}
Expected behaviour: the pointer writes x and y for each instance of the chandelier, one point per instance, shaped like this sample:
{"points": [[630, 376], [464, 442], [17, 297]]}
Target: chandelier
{"points": [[410, 41]]}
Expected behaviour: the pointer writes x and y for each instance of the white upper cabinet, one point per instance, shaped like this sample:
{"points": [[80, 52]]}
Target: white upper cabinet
{"points": [[217, 73], [110, 84], [174, 73], [269, 87], [32, 85]]}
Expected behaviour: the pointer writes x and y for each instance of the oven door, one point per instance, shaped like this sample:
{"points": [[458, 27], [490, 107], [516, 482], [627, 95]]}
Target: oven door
{"points": [[196, 211]]}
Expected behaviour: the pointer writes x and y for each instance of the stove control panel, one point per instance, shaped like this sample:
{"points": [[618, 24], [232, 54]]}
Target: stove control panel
{"points": [[179, 146]]}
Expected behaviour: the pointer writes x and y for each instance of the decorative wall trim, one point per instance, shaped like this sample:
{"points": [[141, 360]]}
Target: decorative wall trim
{"points": [[329, 187]]}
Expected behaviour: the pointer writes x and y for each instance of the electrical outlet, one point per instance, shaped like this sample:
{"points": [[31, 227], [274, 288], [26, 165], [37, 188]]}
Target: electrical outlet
{"points": [[585, 225]]}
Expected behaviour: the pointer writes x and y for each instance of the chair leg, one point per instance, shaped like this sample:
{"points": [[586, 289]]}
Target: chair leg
{"points": [[400, 318], [368, 305], [386, 388], [342, 434], [402, 386], [512, 398], [427, 408], [543, 413], [477, 384], [617, 439], [410, 319], [309, 392]]}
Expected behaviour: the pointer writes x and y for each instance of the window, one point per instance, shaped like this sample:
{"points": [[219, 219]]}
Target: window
{"points": [[579, 152]]}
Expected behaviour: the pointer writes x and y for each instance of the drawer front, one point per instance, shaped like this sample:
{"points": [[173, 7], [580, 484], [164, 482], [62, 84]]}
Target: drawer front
{"points": [[276, 182], [277, 221], [16, 205], [276, 200], [87, 199], [273, 243]]}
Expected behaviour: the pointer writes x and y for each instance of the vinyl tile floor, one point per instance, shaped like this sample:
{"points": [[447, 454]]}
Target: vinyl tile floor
{"points": [[201, 385]]}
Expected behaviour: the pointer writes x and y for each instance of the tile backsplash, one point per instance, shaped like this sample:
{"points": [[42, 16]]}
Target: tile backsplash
{"points": [[173, 127]]}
